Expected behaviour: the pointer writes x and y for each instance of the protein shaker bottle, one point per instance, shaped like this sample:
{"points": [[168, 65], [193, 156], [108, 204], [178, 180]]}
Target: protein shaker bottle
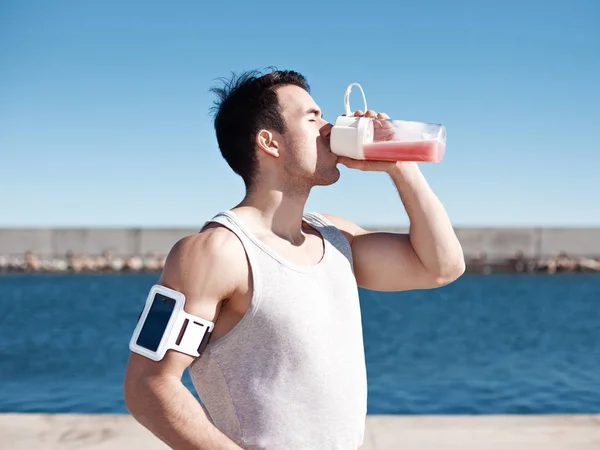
{"points": [[385, 139]]}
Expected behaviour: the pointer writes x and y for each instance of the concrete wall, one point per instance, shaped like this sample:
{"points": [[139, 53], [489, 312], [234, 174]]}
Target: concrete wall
{"points": [[495, 243]]}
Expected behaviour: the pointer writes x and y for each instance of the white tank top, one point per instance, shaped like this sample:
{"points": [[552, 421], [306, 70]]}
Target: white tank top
{"points": [[291, 374]]}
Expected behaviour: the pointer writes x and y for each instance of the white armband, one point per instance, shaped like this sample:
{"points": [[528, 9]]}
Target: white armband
{"points": [[164, 324]]}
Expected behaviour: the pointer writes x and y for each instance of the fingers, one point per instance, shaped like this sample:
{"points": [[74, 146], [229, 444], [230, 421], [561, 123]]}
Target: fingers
{"points": [[369, 113], [372, 114]]}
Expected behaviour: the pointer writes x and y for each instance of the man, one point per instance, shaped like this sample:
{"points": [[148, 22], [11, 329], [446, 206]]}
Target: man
{"points": [[285, 367]]}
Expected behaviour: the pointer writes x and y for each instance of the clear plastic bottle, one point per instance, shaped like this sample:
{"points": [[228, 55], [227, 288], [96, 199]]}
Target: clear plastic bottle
{"points": [[386, 139]]}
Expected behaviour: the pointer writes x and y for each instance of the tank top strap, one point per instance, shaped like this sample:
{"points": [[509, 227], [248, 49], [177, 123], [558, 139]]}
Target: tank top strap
{"points": [[233, 224], [330, 233], [230, 221]]}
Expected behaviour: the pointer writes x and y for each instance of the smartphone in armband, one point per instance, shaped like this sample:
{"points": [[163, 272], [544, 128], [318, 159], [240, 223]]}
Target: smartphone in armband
{"points": [[164, 324]]}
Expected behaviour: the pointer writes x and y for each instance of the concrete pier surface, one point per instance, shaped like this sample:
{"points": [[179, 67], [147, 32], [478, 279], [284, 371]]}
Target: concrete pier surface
{"points": [[513, 432]]}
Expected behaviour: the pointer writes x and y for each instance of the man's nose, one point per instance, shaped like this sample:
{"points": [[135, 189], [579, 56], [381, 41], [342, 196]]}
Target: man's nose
{"points": [[325, 131]]}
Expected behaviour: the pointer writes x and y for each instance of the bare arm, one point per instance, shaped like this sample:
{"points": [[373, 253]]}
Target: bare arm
{"points": [[206, 269], [429, 256]]}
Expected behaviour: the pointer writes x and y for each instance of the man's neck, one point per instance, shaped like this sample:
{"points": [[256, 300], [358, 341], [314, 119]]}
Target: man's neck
{"points": [[275, 210]]}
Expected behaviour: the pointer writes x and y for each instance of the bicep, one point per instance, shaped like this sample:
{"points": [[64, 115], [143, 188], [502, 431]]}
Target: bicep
{"points": [[385, 261], [197, 268]]}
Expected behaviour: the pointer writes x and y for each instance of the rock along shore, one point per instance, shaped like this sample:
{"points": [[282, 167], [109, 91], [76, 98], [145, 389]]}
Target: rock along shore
{"points": [[109, 263]]}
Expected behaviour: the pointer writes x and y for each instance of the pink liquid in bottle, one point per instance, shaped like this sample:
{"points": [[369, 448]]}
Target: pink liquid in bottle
{"points": [[421, 151]]}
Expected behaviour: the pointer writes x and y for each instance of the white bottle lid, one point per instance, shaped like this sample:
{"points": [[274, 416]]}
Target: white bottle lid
{"points": [[350, 133]]}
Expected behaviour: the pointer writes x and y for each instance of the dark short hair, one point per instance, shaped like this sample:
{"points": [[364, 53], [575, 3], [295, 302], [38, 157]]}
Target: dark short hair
{"points": [[247, 103]]}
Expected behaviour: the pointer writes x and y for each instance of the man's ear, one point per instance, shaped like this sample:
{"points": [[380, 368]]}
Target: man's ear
{"points": [[265, 141]]}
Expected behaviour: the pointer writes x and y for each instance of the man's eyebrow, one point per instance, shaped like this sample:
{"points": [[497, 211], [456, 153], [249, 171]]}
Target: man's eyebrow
{"points": [[313, 111]]}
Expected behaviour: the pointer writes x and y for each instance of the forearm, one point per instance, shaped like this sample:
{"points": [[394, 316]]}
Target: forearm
{"points": [[431, 232], [168, 409]]}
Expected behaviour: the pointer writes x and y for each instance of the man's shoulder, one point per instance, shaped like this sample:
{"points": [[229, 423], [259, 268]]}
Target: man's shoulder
{"points": [[346, 226], [215, 242], [214, 255]]}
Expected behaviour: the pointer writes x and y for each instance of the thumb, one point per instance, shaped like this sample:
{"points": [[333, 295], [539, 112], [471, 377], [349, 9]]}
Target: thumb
{"points": [[353, 163], [348, 162]]}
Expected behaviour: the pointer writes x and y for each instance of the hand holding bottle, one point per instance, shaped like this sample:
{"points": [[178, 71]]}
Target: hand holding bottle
{"points": [[383, 128], [383, 131], [372, 136]]}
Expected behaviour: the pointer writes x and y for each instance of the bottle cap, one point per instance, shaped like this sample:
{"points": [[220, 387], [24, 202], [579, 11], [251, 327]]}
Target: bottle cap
{"points": [[350, 133]]}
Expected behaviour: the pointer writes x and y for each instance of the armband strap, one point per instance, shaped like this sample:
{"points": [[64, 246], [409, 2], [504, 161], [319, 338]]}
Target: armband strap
{"points": [[193, 336]]}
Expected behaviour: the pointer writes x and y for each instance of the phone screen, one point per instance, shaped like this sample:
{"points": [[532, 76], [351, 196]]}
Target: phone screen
{"points": [[156, 322]]}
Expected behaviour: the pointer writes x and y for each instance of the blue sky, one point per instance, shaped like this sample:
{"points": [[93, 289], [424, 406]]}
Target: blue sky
{"points": [[104, 106]]}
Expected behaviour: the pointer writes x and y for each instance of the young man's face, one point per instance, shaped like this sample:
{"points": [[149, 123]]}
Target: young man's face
{"points": [[307, 156]]}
